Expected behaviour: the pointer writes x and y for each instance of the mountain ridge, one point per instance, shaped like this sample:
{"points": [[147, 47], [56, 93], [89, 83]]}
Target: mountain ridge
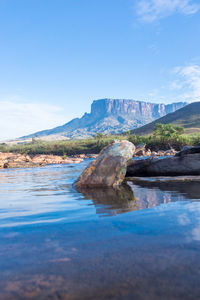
{"points": [[109, 116], [187, 116]]}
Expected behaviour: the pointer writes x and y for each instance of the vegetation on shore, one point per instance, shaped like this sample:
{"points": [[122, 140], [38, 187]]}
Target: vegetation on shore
{"points": [[164, 137], [187, 117], [64, 148]]}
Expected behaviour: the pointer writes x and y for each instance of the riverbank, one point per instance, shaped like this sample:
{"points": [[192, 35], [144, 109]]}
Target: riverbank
{"points": [[96, 144], [13, 160], [41, 153], [17, 160]]}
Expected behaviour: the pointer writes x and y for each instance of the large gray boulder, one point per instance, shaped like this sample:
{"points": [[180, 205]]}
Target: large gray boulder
{"points": [[183, 164], [109, 168]]}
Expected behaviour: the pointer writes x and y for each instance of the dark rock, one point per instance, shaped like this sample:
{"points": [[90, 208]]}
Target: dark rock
{"points": [[184, 185], [173, 166], [139, 167], [188, 150]]}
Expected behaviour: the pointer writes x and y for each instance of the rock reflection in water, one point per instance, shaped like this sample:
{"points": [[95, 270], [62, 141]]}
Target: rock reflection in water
{"points": [[184, 187], [139, 194], [111, 201], [53, 245], [142, 193]]}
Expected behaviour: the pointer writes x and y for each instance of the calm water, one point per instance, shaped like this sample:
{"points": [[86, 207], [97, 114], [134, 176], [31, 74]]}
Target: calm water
{"points": [[141, 241]]}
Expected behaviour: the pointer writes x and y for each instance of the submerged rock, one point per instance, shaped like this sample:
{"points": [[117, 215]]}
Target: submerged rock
{"points": [[109, 168]]}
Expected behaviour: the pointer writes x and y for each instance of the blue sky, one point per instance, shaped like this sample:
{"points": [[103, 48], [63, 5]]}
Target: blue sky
{"points": [[56, 56]]}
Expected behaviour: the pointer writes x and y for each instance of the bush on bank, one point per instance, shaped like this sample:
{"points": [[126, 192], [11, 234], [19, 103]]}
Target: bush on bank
{"points": [[94, 146], [164, 137]]}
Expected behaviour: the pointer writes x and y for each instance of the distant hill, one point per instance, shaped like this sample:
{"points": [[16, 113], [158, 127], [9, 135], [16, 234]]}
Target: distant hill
{"points": [[109, 116], [188, 117]]}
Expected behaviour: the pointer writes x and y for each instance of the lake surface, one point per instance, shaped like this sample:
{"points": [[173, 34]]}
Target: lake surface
{"points": [[141, 241]]}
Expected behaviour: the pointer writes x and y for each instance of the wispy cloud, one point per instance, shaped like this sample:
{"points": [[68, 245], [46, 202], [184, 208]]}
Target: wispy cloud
{"points": [[181, 83], [188, 82], [19, 118], [153, 10]]}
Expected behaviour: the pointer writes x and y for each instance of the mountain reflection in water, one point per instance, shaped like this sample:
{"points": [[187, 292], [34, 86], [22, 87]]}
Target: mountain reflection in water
{"points": [[54, 243]]}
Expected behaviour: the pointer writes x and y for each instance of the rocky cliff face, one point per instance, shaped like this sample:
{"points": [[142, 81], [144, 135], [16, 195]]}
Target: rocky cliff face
{"points": [[110, 116], [106, 107]]}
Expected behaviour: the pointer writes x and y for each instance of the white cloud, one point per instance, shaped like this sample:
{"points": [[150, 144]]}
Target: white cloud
{"points": [[188, 82], [183, 219], [152, 10], [19, 118], [180, 84]]}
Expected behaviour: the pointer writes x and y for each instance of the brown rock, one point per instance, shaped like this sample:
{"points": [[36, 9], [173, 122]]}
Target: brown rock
{"points": [[148, 152], [11, 160], [161, 153], [141, 153], [170, 152], [140, 150], [154, 154], [109, 168]]}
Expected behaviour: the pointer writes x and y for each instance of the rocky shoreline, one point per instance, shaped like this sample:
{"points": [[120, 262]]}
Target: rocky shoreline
{"points": [[16, 160], [115, 162], [142, 151]]}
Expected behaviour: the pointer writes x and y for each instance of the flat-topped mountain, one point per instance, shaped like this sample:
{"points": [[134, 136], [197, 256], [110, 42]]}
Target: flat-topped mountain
{"points": [[188, 117], [110, 116]]}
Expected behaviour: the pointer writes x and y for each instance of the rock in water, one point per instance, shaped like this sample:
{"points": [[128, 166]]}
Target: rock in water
{"points": [[188, 150], [109, 168], [182, 164]]}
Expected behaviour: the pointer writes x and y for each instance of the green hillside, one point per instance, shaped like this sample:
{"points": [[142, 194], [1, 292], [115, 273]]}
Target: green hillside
{"points": [[188, 117]]}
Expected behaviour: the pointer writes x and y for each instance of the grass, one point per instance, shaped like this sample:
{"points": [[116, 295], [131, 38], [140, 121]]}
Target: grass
{"points": [[89, 146], [70, 147]]}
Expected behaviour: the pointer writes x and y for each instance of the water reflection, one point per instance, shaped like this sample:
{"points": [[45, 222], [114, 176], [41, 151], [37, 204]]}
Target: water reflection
{"points": [[141, 193], [43, 195], [54, 245], [111, 201], [186, 187]]}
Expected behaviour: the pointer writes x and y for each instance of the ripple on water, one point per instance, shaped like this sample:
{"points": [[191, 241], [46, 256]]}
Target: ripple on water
{"points": [[140, 241]]}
